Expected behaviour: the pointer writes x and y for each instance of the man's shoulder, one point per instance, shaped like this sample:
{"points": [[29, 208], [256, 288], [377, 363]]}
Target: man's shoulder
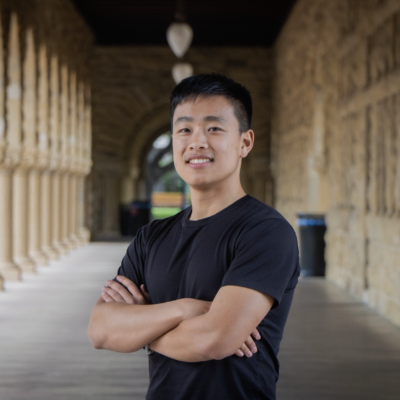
{"points": [[260, 214], [161, 225]]}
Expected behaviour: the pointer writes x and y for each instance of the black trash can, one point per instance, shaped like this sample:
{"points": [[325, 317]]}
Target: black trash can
{"points": [[133, 216], [140, 213], [312, 244], [125, 219]]}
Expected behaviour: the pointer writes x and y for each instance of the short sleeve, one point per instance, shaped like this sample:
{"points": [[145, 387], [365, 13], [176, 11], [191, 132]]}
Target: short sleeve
{"points": [[266, 259], [132, 265]]}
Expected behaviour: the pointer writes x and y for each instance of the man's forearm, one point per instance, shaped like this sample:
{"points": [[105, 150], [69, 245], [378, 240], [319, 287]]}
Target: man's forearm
{"points": [[128, 327], [220, 332], [193, 340]]}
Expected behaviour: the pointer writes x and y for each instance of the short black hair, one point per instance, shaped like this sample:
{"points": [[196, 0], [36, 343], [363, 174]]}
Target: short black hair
{"points": [[207, 85]]}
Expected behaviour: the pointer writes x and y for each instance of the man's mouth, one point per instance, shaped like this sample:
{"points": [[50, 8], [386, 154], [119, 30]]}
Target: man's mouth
{"points": [[199, 160]]}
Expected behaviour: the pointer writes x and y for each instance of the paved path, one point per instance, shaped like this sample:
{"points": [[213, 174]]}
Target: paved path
{"points": [[334, 347]]}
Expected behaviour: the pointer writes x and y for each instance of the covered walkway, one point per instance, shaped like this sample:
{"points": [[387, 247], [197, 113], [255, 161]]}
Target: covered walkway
{"points": [[334, 347]]}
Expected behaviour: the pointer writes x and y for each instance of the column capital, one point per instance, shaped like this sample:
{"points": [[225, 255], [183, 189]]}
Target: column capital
{"points": [[42, 160], [88, 166], [11, 158], [55, 162], [65, 164], [2, 149], [28, 158]]}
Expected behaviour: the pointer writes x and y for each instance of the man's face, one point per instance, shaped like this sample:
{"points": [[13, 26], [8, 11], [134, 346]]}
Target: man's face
{"points": [[207, 145]]}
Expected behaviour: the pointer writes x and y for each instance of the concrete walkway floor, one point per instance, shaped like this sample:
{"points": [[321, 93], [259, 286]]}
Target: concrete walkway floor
{"points": [[333, 347]]}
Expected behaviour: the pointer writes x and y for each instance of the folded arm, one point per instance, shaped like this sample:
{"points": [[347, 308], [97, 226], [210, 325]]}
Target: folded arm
{"points": [[234, 314], [126, 322]]}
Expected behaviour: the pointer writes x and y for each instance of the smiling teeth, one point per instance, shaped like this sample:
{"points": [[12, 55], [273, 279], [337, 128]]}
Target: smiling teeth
{"points": [[199, 160]]}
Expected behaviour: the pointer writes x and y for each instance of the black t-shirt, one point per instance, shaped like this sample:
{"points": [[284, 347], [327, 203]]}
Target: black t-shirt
{"points": [[247, 244]]}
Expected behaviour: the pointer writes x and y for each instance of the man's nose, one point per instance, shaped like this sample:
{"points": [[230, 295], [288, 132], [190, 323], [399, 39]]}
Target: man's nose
{"points": [[199, 140]]}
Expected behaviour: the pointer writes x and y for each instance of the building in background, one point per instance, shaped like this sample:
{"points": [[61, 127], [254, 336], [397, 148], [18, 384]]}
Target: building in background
{"points": [[90, 80]]}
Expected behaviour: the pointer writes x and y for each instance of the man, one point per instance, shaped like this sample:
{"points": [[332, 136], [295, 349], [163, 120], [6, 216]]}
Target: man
{"points": [[208, 290]]}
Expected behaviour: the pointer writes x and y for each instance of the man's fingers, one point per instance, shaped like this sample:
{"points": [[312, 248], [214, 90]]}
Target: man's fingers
{"points": [[124, 294], [256, 334], [251, 345], [113, 294], [145, 294], [244, 351], [248, 348], [239, 353], [107, 298], [133, 289]]}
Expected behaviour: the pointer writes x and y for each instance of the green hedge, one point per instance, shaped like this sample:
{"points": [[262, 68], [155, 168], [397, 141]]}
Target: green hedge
{"points": [[164, 212]]}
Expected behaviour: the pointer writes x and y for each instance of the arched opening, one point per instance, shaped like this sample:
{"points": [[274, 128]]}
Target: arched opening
{"points": [[158, 189], [167, 189]]}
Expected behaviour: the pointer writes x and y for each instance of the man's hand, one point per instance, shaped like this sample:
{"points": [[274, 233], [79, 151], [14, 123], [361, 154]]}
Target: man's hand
{"points": [[248, 348], [127, 292], [124, 292], [118, 293]]}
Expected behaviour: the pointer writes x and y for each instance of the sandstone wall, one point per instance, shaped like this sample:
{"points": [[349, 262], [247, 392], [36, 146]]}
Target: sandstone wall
{"points": [[131, 89], [336, 138]]}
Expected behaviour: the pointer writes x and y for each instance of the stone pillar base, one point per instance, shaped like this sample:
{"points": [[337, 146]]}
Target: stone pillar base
{"points": [[25, 264], [84, 235], [74, 242], [58, 248], [66, 245], [10, 272], [1, 284], [38, 258], [63, 249], [50, 253]]}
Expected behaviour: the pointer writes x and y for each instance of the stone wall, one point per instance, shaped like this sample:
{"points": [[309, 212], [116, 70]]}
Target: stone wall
{"points": [[336, 138], [131, 89], [45, 132]]}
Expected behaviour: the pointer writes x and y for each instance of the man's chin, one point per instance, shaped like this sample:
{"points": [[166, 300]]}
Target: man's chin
{"points": [[201, 184]]}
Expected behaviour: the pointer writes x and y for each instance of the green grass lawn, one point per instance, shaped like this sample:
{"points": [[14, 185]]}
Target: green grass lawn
{"points": [[164, 212]]}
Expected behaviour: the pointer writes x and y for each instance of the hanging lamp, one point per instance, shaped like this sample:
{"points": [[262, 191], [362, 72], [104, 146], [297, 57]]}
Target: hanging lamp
{"points": [[179, 37]]}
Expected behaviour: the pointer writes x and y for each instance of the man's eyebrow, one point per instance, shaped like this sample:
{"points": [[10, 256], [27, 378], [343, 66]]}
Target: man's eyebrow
{"points": [[214, 118], [183, 119]]}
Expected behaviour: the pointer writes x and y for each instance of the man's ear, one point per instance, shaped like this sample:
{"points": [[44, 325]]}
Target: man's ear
{"points": [[246, 143]]}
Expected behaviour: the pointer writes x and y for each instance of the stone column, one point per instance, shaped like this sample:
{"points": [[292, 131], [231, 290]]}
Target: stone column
{"points": [[8, 269], [44, 153], [127, 189], [80, 168], [74, 164], [11, 157], [34, 220], [20, 178], [65, 160], [56, 220], [20, 220], [55, 149], [64, 205], [46, 214], [84, 232], [74, 242]]}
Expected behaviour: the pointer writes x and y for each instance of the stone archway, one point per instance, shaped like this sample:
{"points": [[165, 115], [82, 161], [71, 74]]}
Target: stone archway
{"points": [[149, 127]]}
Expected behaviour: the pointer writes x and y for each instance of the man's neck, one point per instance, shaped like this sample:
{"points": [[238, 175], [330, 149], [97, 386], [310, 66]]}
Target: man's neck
{"points": [[210, 202]]}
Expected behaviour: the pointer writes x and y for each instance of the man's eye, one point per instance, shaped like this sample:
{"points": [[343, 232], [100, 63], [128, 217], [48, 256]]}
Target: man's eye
{"points": [[184, 130], [214, 129]]}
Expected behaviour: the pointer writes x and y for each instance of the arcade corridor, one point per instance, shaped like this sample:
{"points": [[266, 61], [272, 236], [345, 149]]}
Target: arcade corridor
{"points": [[334, 347]]}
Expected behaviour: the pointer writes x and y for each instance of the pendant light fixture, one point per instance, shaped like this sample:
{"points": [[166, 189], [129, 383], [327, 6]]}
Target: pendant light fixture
{"points": [[181, 70], [179, 37]]}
